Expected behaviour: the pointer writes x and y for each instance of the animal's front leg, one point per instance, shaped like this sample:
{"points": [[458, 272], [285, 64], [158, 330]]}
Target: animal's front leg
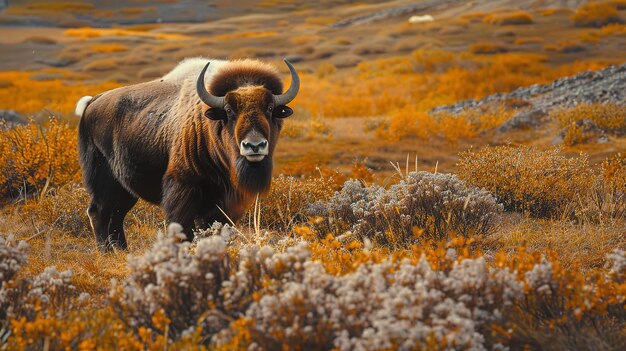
{"points": [[181, 203], [209, 215]]}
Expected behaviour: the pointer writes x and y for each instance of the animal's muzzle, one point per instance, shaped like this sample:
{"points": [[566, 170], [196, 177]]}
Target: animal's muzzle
{"points": [[254, 147]]}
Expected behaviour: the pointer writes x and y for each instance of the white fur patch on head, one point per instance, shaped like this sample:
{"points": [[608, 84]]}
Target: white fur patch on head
{"points": [[81, 105], [190, 68]]}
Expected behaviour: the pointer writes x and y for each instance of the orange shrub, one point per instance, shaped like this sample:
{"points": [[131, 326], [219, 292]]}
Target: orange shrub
{"points": [[509, 18], [109, 48], [555, 10], [595, 14], [423, 80], [542, 183], [35, 157], [610, 118], [30, 96], [528, 40], [487, 48], [613, 29]]}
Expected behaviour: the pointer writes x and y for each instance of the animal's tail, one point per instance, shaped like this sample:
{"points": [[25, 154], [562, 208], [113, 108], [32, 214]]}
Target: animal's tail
{"points": [[82, 104]]}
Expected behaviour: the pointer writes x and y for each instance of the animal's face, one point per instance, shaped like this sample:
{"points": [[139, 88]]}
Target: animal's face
{"points": [[253, 121], [249, 118], [251, 127]]}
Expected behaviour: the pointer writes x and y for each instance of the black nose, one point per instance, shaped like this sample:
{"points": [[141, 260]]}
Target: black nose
{"points": [[255, 147]]}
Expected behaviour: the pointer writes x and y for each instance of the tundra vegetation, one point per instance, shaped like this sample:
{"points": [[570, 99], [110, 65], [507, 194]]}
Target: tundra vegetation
{"points": [[387, 226]]}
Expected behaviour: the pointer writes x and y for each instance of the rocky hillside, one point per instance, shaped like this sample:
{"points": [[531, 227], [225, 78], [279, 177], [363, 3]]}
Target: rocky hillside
{"points": [[602, 86]]}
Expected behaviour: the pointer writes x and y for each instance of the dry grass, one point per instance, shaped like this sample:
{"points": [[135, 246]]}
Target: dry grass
{"points": [[509, 18], [487, 48], [577, 245], [40, 40]]}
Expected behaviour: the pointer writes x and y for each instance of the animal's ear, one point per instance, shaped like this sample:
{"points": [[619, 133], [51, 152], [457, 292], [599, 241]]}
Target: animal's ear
{"points": [[282, 112], [216, 114]]}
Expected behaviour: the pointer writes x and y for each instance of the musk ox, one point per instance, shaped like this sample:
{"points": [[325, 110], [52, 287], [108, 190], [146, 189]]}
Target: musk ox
{"points": [[197, 141]]}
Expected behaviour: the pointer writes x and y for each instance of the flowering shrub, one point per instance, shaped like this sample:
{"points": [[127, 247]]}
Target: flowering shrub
{"points": [[209, 294], [34, 157], [423, 203], [27, 95], [610, 118], [595, 14], [49, 293], [183, 286], [542, 183], [509, 18]]}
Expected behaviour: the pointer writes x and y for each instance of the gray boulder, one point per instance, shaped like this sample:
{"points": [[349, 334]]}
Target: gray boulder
{"points": [[11, 118], [524, 120]]}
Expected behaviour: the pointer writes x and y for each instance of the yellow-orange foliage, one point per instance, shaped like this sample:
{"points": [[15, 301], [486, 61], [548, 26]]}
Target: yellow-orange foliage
{"points": [[609, 117], [543, 183], [30, 96], [595, 14], [35, 156], [487, 48], [89, 32], [109, 48], [423, 80], [509, 18]]}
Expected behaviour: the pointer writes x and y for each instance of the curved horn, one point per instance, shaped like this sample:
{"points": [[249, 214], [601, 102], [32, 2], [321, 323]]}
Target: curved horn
{"points": [[205, 96], [291, 93]]}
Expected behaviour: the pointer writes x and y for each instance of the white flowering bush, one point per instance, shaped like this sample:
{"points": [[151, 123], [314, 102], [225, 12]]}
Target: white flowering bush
{"points": [[48, 293], [384, 306], [437, 204], [616, 262], [291, 300]]}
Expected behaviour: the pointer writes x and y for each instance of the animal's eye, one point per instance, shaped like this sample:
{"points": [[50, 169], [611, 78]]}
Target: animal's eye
{"points": [[282, 112], [270, 109]]}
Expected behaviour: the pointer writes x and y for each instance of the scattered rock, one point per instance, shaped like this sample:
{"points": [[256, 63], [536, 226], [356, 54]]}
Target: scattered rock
{"points": [[11, 118], [393, 12], [586, 132], [421, 19], [524, 120], [602, 86]]}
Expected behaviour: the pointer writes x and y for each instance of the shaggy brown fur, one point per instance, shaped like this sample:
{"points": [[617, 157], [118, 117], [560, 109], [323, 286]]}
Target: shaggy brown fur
{"points": [[153, 141]]}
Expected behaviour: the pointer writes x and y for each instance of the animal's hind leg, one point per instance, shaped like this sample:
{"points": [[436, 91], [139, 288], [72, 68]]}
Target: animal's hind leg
{"points": [[108, 208], [123, 203], [99, 218], [109, 200]]}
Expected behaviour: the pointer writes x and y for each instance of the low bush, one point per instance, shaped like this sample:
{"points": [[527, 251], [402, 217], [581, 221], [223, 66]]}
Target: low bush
{"points": [[210, 295], [108, 48], [509, 18], [542, 183], [547, 184], [595, 14], [26, 95], [528, 40], [487, 48], [286, 204], [422, 205], [36, 157], [48, 294], [609, 117]]}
